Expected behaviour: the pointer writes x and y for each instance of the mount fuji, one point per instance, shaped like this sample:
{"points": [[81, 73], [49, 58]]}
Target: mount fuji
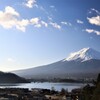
{"points": [[84, 63], [84, 55]]}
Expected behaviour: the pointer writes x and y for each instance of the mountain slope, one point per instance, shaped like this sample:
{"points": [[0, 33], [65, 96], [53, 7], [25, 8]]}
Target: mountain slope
{"points": [[84, 63]]}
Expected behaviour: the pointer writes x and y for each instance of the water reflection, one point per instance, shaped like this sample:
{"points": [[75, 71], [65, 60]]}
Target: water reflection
{"points": [[45, 85]]}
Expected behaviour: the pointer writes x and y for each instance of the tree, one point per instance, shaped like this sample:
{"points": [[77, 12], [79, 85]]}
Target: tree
{"points": [[63, 91], [96, 94], [98, 78]]}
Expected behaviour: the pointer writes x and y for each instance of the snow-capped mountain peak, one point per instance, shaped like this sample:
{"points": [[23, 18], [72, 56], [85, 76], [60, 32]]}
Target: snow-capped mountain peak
{"points": [[83, 55]]}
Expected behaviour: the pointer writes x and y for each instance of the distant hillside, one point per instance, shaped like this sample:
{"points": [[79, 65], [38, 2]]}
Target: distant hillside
{"points": [[11, 78], [63, 69]]}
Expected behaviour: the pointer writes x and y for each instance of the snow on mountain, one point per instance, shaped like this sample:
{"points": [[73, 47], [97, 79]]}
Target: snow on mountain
{"points": [[83, 55]]}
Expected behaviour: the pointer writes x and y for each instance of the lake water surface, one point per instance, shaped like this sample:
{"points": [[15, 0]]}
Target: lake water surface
{"points": [[44, 85]]}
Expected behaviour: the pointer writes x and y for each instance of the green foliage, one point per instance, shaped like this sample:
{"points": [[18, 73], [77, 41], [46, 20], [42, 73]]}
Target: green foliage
{"points": [[63, 91], [96, 94], [92, 92], [87, 91], [98, 78]]}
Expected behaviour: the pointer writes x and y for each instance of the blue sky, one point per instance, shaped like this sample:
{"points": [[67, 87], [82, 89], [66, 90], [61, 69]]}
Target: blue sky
{"points": [[39, 32]]}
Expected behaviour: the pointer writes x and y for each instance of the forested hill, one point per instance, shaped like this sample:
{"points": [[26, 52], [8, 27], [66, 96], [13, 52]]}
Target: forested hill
{"points": [[11, 78]]}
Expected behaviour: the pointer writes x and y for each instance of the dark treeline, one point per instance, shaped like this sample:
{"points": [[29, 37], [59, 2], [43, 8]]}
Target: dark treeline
{"points": [[61, 80], [92, 92]]}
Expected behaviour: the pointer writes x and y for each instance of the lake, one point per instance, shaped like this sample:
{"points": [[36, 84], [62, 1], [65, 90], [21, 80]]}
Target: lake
{"points": [[45, 85]]}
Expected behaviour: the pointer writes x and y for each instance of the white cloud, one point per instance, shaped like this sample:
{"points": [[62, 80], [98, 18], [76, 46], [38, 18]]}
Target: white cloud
{"points": [[79, 21], [10, 18], [55, 25], [97, 32], [94, 20], [10, 10], [93, 31], [50, 19], [95, 10], [44, 23], [89, 30], [38, 23], [30, 3], [10, 60], [21, 25], [69, 24], [52, 6], [66, 23], [34, 21], [43, 9]]}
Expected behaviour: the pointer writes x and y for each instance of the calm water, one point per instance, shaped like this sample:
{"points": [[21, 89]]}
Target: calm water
{"points": [[45, 85]]}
